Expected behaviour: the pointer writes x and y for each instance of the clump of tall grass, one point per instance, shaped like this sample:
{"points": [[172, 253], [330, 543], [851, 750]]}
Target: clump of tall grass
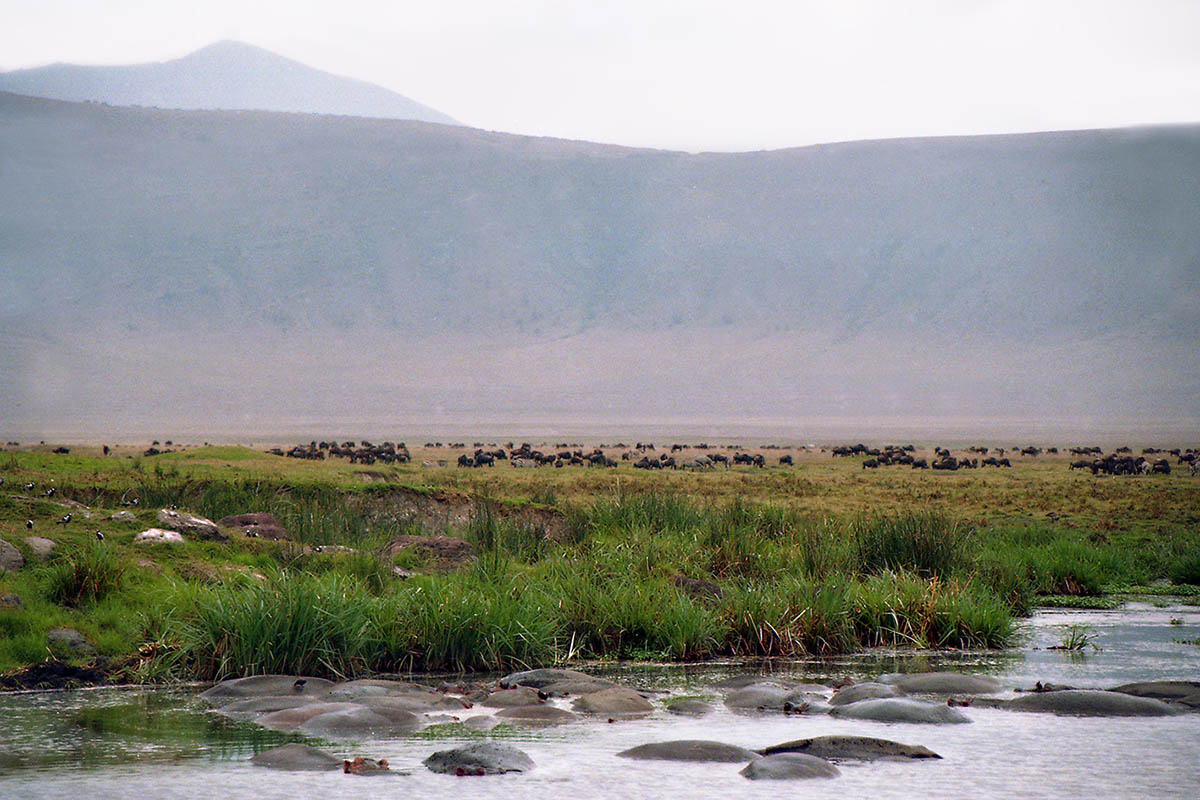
{"points": [[450, 623], [1187, 570], [291, 623], [927, 544], [87, 574]]}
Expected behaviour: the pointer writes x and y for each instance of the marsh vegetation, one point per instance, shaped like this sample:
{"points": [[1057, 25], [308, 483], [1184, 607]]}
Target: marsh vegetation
{"points": [[568, 564]]}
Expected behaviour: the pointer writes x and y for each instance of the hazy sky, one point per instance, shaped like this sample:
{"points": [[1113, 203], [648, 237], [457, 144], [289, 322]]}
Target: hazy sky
{"points": [[693, 75]]}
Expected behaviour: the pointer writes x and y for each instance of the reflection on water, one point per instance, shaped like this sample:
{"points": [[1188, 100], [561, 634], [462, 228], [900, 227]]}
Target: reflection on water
{"points": [[163, 743]]}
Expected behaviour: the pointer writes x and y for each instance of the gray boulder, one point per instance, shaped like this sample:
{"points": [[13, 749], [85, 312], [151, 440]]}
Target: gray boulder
{"points": [[789, 766], [538, 678], [1091, 703], [943, 683], [1160, 690], [190, 524], [511, 698], [575, 686], [290, 719], [11, 559], [253, 706], [536, 716], [69, 643], [480, 758], [851, 748], [266, 686], [689, 750], [863, 691], [360, 722], [41, 548], [689, 708], [758, 697], [124, 516], [297, 757], [617, 701], [158, 536], [374, 687], [11, 601], [900, 709]]}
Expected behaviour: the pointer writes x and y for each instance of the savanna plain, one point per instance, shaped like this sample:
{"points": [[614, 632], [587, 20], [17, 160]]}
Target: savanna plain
{"points": [[425, 566]]}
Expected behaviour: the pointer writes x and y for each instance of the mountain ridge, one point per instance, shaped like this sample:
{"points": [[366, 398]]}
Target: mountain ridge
{"points": [[1023, 272], [225, 75]]}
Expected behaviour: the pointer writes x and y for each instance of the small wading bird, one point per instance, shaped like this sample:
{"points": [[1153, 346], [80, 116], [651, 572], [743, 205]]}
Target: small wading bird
{"points": [[65, 520], [29, 524], [99, 536]]}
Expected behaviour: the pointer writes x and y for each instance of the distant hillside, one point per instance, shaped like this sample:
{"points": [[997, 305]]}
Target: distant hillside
{"points": [[255, 265], [226, 75]]}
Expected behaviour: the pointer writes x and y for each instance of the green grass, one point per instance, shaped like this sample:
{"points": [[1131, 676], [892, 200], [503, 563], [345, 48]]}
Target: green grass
{"points": [[570, 564], [86, 575]]}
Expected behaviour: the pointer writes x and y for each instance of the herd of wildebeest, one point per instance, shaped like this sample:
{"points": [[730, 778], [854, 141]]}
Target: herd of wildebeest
{"points": [[644, 455]]}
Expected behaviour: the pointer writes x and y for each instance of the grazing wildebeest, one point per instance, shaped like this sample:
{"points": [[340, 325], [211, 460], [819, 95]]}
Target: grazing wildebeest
{"points": [[870, 463], [785, 461]]}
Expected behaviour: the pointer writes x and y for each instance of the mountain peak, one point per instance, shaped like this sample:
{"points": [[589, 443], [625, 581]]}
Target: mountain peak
{"points": [[229, 75]]}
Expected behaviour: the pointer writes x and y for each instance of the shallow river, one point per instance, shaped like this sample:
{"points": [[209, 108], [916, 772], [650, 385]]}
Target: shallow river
{"points": [[164, 744]]}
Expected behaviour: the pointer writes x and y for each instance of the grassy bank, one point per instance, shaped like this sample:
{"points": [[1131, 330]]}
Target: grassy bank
{"points": [[589, 564]]}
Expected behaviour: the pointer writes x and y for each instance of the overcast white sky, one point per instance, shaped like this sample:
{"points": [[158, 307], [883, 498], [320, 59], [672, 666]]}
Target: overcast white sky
{"points": [[693, 75]]}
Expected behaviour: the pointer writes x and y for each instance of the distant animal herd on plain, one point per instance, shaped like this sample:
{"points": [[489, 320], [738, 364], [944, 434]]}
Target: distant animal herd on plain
{"points": [[704, 456]]}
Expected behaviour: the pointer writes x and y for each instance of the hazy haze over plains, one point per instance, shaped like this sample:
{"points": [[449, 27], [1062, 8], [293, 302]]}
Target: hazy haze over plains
{"points": [[233, 272], [704, 75]]}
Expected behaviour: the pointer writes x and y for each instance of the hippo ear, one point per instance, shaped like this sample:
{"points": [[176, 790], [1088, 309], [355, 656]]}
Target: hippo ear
{"points": [[383, 763]]}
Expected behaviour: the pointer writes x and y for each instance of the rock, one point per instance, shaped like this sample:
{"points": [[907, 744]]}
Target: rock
{"points": [[539, 678], [374, 687], [482, 722], [11, 601], [789, 766], [41, 548], [742, 681], [615, 701], [900, 709], [11, 559], [758, 697], [863, 691], [266, 686], [1160, 690], [254, 706], [806, 703], [69, 643], [417, 702], [511, 698], [536, 716], [360, 722], [1091, 703], [290, 719], [124, 516], [576, 686], [190, 524], [297, 757], [158, 536], [847, 748], [259, 524], [942, 683], [690, 750], [689, 708], [696, 588], [439, 553], [480, 758]]}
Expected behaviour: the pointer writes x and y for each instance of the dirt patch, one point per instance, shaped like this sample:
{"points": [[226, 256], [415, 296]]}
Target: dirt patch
{"points": [[446, 511], [437, 553], [55, 674]]}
